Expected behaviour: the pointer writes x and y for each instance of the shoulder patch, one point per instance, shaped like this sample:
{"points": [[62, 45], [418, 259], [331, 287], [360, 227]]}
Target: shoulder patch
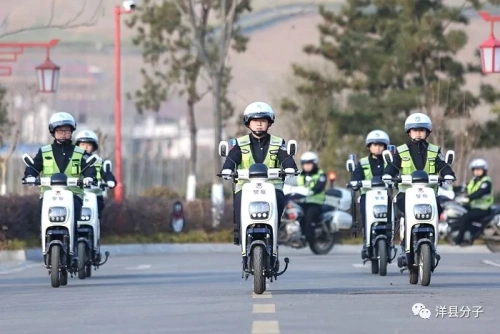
{"points": [[484, 185], [322, 178], [441, 156]]}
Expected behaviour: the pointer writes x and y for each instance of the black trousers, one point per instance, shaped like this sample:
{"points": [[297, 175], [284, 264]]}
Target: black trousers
{"points": [[312, 212], [473, 215], [77, 207], [100, 205], [280, 200]]}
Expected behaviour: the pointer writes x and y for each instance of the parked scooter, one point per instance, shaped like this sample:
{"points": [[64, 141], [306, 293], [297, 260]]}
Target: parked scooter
{"points": [[379, 227], [259, 218], [58, 228], [419, 226], [89, 231], [326, 230]]}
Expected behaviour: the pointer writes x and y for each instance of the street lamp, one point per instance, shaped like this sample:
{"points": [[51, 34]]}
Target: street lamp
{"points": [[47, 72], [128, 6], [490, 48]]}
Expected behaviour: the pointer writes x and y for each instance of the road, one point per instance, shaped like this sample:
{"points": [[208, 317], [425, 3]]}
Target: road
{"points": [[203, 293]]}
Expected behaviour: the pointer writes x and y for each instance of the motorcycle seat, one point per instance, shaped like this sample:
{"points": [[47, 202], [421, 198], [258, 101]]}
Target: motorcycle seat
{"points": [[326, 208]]}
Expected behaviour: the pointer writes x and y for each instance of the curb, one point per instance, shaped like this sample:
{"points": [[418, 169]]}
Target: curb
{"points": [[35, 254]]}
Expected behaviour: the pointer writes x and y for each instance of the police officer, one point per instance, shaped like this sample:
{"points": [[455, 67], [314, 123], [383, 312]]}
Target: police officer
{"points": [[257, 147], [480, 197], [313, 178], [88, 141], [373, 165], [62, 156], [417, 154]]}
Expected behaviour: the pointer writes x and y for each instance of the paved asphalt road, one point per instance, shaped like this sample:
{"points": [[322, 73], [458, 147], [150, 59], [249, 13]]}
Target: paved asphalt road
{"points": [[203, 293]]}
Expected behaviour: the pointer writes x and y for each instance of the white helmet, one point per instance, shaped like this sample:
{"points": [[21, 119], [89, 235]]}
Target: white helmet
{"points": [[61, 119], [87, 136], [258, 110], [309, 157], [478, 164], [377, 136], [418, 121]]}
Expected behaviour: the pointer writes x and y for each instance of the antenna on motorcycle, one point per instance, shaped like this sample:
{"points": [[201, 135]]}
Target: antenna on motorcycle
{"points": [[28, 161]]}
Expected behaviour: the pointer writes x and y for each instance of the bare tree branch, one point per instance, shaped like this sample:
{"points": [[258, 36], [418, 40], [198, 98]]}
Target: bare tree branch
{"points": [[69, 24]]}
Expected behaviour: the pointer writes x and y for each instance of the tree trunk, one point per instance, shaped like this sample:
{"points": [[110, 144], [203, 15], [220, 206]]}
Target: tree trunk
{"points": [[191, 181], [217, 187]]}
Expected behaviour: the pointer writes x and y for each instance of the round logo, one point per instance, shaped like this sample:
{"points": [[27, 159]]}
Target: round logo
{"points": [[417, 119]]}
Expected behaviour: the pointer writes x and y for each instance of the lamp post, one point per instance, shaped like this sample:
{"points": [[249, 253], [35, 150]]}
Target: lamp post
{"points": [[47, 72], [118, 104], [490, 48]]}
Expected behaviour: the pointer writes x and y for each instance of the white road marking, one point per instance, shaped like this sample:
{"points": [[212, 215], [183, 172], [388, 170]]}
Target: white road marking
{"points": [[264, 308], [367, 265], [265, 327], [266, 294], [491, 263], [139, 267]]}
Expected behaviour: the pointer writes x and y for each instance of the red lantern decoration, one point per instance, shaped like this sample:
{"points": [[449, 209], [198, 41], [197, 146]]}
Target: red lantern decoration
{"points": [[332, 176], [48, 76], [490, 48]]}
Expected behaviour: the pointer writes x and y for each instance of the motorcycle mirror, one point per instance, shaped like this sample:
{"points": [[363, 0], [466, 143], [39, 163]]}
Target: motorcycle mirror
{"points": [[387, 155], [223, 148], [28, 161], [349, 165], [450, 157], [92, 160], [291, 147], [107, 166], [332, 176], [352, 157]]}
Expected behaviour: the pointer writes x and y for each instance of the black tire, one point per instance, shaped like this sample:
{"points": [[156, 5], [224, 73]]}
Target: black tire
{"points": [[82, 259], [493, 246], [258, 261], [375, 268], [425, 264], [55, 263], [322, 247], [64, 277], [382, 254]]}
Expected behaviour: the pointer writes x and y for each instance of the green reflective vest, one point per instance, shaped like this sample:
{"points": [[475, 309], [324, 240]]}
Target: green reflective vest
{"points": [[367, 171], [72, 170], [247, 160], [408, 167], [485, 202], [318, 198], [97, 190]]}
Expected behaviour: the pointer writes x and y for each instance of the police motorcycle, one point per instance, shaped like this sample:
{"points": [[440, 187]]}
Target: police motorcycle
{"points": [[88, 233], [379, 227], [487, 229], [419, 226], [331, 221], [259, 219], [58, 223]]}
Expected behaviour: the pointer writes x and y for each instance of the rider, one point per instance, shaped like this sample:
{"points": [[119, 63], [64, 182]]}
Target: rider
{"points": [[257, 147], [417, 154], [315, 179], [373, 165], [62, 155], [480, 197], [88, 141]]}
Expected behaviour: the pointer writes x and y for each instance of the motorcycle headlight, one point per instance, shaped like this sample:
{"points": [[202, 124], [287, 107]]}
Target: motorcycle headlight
{"points": [[422, 211], [57, 214], [259, 210], [380, 211], [86, 214]]}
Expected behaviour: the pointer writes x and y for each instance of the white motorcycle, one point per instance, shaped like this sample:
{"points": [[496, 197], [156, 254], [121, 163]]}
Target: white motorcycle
{"points": [[89, 231], [419, 226], [380, 248], [259, 219], [58, 228]]}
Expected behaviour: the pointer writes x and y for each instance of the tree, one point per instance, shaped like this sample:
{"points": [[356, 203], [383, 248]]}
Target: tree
{"points": [[71, 23], [392, 58], [6, 130]]}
